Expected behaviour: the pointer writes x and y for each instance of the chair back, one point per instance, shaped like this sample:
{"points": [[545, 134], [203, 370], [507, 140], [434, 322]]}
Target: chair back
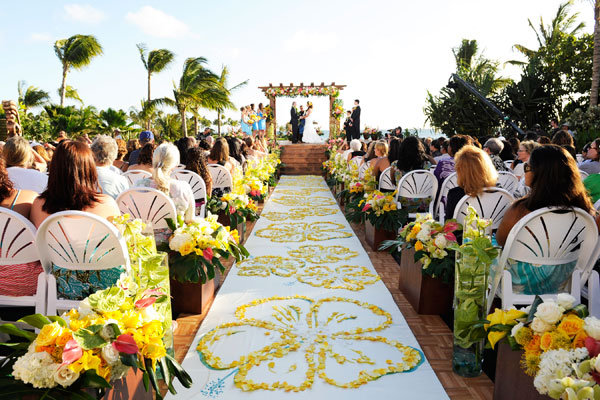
{"points": [[508, 164], [136, 175], [583, 174], [221, 177], [508, 181], [147, 204], [17, 246], [418, 184], [447, 184], [385, 180], [77, 240], [196, 183], [491, 204], [362, 170], [597, 205], [357, 161]]}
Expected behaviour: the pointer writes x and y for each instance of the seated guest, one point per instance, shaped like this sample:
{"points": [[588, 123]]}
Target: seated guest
{"points": [[446, 167], [196, 162], [523, 154], [120, 162], [183, 145], [105, 152], [164, 161], [18, 156], [474, 172], [435, 149], [19, 279], [379, 164], [592, 185], [443, 143], [565, 140], [544, 140], [506, 154], [219, 154], [235, 151], [592, 166], [249, 149], [203, 144], [493, 147], [132, 145], [370, 154], [73, 185], [552, 175], [355, 149], [411, 156], [145, 138], [144, 159]]}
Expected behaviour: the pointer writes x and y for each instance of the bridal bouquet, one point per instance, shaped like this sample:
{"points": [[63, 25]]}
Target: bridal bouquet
{"points": [[90, 347], [435, 245], [196, 249]]}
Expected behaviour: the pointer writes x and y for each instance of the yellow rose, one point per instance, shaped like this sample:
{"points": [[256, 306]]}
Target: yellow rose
{"points": [[186, 248], [418, 246], [48, 334], [416, 228], [571, 325], [64, 338]]}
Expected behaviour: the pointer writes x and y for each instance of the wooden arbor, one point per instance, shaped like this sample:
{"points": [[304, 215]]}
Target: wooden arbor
{"points": [[333, 91]]}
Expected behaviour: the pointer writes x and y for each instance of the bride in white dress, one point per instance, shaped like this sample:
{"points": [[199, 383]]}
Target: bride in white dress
{"points": [[310, 135]]}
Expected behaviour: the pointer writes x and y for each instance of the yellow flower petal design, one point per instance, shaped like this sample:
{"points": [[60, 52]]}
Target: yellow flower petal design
{"points": [[315, 201], [318, 254], [349, 277], [266, 265], [301, 192], [299, 213], [300, 232]]}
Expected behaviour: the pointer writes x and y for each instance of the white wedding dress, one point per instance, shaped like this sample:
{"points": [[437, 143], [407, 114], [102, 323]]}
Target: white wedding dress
{"points": [[310, 135]]}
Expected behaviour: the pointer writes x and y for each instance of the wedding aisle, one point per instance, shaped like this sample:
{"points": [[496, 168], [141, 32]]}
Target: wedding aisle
{"points": [[307, 313]]}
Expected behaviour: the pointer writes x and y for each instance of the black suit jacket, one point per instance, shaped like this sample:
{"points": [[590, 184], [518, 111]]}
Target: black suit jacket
{"points": [[294, 115], [356, 118]]}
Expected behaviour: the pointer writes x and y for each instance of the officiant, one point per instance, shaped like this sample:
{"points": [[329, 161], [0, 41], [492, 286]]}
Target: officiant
{"points": [[294, 122]]}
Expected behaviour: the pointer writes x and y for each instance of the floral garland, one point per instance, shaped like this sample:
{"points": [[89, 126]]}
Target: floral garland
{"points": [[301, 232], [300, 324], [302, 91]]}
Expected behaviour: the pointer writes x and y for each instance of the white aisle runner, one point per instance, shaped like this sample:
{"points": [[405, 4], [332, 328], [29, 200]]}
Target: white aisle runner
{"points": [[306, 313]]}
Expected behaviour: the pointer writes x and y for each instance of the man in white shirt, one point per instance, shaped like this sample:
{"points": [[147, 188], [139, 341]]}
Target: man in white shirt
{"points": [[105, 152]]}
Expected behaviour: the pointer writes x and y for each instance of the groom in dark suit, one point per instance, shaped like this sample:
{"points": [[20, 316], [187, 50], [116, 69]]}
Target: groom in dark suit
{"points": [[294, 122], [355, 117]]}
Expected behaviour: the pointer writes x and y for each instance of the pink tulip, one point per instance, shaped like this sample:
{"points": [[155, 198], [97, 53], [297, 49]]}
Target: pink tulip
{"points": [[143, 303], [125, 344], [72, 352]]}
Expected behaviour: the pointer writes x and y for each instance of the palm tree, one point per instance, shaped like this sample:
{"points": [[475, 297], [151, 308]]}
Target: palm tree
{"points": [[31, 97], [154, 62], [196, 86], [113, 119], [596, 57], [223, 80], [75, 52]]}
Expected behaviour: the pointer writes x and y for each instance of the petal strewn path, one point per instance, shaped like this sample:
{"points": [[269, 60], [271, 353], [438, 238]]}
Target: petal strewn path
{"points": [[317, 342]]}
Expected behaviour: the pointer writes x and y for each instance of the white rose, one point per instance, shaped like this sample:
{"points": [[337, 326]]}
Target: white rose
{"points": [[441, 242], [423, 234], [84, 308], [526, 310], [516, 328], [150, 314], [107, 332], [64, 376], [550, 312], [565, 300], [592, 327], [110, 354], [539, 326]]}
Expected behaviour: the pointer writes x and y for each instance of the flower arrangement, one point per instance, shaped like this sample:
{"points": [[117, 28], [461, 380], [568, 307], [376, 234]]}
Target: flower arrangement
{"points": [[268, 113], [374, 133], [435, 245], [302, 91], [91, 347], [195, 249], [337, 109], [380, 210]]}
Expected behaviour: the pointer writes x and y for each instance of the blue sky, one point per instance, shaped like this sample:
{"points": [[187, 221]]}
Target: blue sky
{"points": [[389, 53]]}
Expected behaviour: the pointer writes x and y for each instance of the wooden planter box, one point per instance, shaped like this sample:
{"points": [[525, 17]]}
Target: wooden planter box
{"points": [[191, 298], [511, 382], [225, 221], [427, 295], [375, 237]]}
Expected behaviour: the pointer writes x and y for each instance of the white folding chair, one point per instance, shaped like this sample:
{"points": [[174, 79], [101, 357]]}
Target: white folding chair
{"points": [[491, 204], [579, 158], [597, 205], [17, 246], [221, 177], [179, 166], [583, 174], [77, 241], [440, 207], [357, 161], [385, 180], [136, 175], [548, 236], [147, 204], [508, 164], [592, 290], [508, 181], [417, 184], [362, 170], [196, 183]]}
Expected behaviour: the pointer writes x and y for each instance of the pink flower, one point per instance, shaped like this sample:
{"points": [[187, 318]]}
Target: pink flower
{"points": [[450, 226], [72, 352], [125, 344], [593, 346], [367, 207], [208, 254], [450, 236], [143, 303], [232, 210]]}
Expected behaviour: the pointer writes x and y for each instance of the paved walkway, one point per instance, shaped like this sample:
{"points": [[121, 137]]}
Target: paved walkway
{"points": [[434, 337]]}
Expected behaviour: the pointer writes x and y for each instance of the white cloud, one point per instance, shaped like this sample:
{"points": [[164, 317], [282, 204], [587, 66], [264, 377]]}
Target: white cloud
{"points": [[84, 13], [157, 23], [40, 37], [315, 42]]}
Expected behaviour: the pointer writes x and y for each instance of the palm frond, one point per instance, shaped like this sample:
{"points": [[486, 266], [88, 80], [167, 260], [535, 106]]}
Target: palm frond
{"points": [[142, 49], [159, 59], [78, 50]]}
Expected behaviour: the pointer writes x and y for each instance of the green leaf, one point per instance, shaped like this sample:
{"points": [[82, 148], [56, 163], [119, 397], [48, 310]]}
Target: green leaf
{"points": [[152, 375], [55, 318], [130, 360], [93, 380], [11, 329], [36, 320], [180, 373], [171, 223], [536, 302], [89, 338]]}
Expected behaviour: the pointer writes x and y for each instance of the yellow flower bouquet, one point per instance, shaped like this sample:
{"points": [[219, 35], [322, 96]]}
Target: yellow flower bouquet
{"points": [[380, 210], [90, 347]]}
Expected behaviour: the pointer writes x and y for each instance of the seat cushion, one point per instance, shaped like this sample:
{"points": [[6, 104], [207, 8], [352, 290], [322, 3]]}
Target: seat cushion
{"points": [[79, 284], [19, 279]]}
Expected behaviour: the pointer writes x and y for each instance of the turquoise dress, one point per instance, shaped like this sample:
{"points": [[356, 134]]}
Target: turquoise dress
{"points": [[255, 125], [262, 123], [247, 129]]}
